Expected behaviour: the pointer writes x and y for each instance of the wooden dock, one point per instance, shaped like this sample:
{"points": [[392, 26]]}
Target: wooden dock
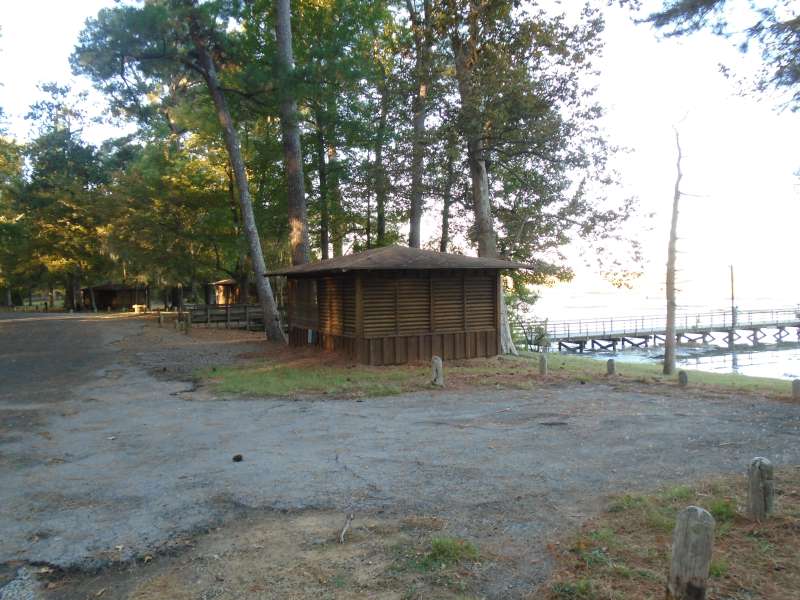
{"points": [[613, 333]]}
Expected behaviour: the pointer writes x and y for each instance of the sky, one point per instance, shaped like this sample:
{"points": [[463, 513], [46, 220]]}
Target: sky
{"points": [[740, 157]]}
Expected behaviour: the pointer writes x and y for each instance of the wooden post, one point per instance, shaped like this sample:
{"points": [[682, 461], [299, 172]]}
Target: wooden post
{"points": [[760, 488], [611, 367], [796, 387], [542, 364], [188, 324], [683, 378], [247, 317], [437, 371], [692, 542], [208, 316], [227, 316], [160, 319]]}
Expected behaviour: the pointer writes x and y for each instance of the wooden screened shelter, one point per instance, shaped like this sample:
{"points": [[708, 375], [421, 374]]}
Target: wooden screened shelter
{"points": [[115, 296], [395, 305]]}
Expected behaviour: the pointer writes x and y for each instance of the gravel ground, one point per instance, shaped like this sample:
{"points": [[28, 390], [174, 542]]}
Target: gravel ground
{"points": [[107, 451]]}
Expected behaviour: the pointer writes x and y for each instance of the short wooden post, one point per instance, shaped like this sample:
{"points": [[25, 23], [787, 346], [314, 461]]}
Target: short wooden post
{"points": [[160, 319], [188, 324], [437, 371], [611, 367], [683, 378], [760, 488], [692, 543], [796, 387], [542, 364]]}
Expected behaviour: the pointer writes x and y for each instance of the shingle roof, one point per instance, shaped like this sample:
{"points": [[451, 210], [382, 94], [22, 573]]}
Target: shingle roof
{"points": [[391, 258]]}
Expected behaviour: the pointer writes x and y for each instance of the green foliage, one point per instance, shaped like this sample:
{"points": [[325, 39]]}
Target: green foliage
{"points": [[267, 381], [582, 589], [774, 29], [722, 509]]}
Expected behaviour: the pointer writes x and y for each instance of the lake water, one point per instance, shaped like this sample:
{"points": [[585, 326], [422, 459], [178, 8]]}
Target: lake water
{"points": [[770, 359], [767, 359]]}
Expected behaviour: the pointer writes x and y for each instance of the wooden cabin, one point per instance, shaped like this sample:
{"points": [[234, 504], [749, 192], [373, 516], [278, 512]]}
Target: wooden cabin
{"points": [[115, 296], [227, 291], [395, 305]]}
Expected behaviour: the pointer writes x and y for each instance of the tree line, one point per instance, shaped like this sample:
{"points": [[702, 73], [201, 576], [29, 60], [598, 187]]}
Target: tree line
{"points": [[268, 133]]}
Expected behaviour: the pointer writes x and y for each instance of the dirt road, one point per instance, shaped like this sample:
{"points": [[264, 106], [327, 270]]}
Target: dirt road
{"points": [[106, 456]]}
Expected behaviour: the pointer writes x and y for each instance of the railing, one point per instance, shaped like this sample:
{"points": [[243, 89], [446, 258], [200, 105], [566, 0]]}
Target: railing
{"points": [[533, 332], [246, 316]]}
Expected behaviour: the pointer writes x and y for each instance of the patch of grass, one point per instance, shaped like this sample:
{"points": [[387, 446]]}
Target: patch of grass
{"points": [[722, 509], [286, 380], [678, 492], [624, 553], [583, 367], [446, 552], [626, 503], [440, 568], [718, 568], [582, 589], [323, 374]]}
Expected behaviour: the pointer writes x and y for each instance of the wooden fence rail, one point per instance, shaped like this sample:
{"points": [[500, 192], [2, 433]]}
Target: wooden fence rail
{"points": [[237, 316]]}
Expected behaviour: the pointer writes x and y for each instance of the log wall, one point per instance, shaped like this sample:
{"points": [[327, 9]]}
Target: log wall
{"points": [[384, 318]]}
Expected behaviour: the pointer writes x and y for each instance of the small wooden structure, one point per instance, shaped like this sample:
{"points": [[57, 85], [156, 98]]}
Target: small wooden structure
{"points": [[395, 305], [115, 296], [227, 291]]}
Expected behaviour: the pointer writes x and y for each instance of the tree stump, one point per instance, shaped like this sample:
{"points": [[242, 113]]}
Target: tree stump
{"points": [[692, 542], [437, 371], [542, 364], [796, 389], [683, 378], [611, 367], [760, 488]]}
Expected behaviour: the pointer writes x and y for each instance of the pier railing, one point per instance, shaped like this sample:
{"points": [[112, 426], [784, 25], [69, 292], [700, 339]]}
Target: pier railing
{"points": [[537, 331]]}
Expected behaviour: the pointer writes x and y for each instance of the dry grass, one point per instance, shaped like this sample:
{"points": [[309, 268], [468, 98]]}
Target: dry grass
{"points": [[296, 556], [624, 553]]}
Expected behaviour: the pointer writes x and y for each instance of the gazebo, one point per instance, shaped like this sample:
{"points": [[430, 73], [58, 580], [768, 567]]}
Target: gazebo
{"points": [[116, 296], [395, 305]]}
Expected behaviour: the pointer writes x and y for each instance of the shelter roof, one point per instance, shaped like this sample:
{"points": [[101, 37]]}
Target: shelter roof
{"points": [[392, 258]]}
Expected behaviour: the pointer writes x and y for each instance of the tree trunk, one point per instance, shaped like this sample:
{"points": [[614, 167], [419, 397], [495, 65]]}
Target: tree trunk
{"points": [[421, 29], [272, 321], [9, 300], [381, 187], [93, 299], [335, 204], [292, 153], [479, 177], [324, 210], [417, 155], [444, 240], [77, 299], [669, 337]]}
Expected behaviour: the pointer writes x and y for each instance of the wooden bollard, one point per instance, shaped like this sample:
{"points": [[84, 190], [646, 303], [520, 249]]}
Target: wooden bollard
{"points": [[692, 542], [437, 371], [611, 367], [542, 364], [160, 320], [796, 389], [683, 378], [760, 488]]}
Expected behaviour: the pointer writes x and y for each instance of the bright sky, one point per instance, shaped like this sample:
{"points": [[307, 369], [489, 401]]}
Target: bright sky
{"points": [[740, 154]]}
